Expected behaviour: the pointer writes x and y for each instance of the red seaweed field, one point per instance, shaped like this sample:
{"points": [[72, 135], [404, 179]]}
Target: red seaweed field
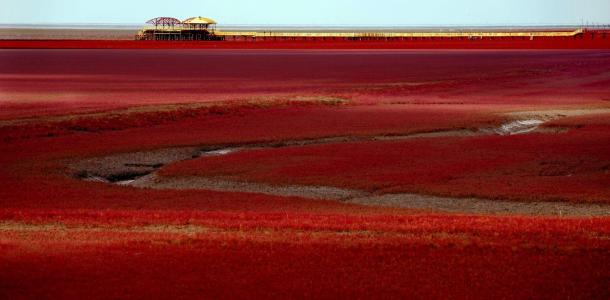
{"points": [[304, 173]]}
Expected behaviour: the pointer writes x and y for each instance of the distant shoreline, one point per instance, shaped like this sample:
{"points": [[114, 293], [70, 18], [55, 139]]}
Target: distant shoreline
{"points": [[128, 32]]}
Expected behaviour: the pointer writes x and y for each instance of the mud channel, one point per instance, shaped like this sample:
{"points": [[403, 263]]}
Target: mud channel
{"points": [[138, 170]]}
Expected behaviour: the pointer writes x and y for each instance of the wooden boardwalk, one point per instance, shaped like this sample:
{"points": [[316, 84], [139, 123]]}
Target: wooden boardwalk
{"points": [[271, 34]]}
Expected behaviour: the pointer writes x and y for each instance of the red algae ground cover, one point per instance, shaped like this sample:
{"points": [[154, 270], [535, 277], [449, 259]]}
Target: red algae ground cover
{"points": [[248, 123], [63, 237], [296, 266], [42, 82], [190, 254], [190, 261]]}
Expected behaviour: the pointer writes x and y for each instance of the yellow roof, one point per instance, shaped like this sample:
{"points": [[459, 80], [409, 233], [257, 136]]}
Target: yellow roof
{"points": [[199, 20]]}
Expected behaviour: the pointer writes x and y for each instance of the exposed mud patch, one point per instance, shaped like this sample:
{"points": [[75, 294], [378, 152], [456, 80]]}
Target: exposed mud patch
{"points": [[219, 152], [122, 168], [519, 127], [197, 183], [411, 201], [547, 115], [483, 206]]}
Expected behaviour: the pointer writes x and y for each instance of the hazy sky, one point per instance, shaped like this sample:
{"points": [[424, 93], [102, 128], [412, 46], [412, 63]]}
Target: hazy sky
{"points": [[312, 12]]}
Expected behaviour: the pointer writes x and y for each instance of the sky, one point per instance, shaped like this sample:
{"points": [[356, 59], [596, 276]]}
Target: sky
{"points": [[312, 12]]}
